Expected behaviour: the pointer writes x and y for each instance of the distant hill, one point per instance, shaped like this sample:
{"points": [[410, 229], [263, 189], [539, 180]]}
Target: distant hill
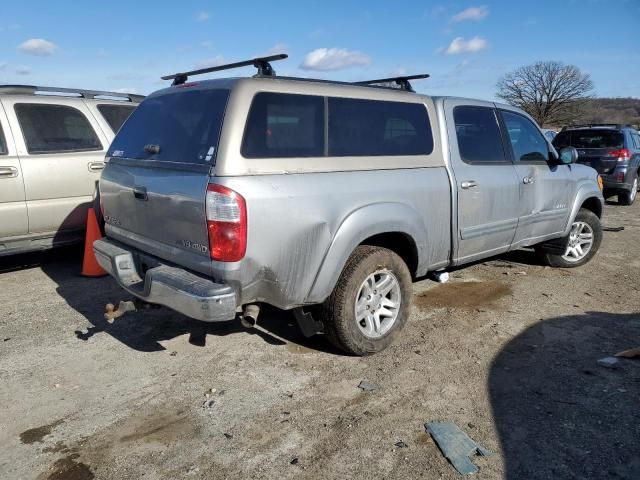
{"points": [[610, 110]]}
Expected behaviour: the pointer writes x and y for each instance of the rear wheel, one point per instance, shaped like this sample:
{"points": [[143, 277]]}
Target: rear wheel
{"points": [[582, 243], [370, 303], [627, 197]]}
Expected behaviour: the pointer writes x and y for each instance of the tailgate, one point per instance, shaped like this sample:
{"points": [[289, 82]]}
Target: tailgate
{"points": [[160, 211], [597, 158]]}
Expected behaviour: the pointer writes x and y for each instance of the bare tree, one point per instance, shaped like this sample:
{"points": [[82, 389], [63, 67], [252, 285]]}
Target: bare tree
{"points": [[551, 92]]}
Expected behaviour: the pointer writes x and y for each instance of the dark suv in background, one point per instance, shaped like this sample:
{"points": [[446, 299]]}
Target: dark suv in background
{"points": [[613, 150]]}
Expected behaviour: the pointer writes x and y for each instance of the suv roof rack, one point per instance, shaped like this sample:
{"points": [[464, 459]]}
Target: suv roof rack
{"points": [[402, 82], [261, 63], [68, 92], [596, 125]]}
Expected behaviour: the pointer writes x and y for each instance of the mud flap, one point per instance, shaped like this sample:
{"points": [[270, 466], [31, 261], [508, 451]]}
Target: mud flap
{"points": [[309, 326]]}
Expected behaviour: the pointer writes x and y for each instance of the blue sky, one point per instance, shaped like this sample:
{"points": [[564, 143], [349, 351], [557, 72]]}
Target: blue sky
{"points": [[465, 46]]}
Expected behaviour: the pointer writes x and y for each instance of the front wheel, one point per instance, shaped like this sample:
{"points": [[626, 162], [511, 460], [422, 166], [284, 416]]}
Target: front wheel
{"points": [[370, 303], [582, 243]]}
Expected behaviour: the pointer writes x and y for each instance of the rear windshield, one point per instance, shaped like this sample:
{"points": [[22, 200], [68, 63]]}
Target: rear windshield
{"points": [[182, 126], [589, 139]]}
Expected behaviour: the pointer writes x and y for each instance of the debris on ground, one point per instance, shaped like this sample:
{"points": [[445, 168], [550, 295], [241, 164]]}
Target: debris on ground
{"points": [[608, 362], [208, 403], [173, 354], [456, 446], [401, 444], [440, 277], [123, 307], [521, 273], [631, 353], [612, 229], [367, 386], [294, 461], [228, 436]]}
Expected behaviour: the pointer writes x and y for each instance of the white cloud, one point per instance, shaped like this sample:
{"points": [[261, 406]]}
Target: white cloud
{"points": [[38, 46], [324, 59], [211, 62], [471, 14], [203, 17], [23, 70], [460, 45], [126, 90], [277, 48]]}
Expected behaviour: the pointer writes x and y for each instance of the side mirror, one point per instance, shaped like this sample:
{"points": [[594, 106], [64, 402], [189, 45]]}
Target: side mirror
{"points": [[568, 155]]}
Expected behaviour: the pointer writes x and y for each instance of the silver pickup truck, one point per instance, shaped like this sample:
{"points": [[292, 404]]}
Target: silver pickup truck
{"points": [[329, 198]]}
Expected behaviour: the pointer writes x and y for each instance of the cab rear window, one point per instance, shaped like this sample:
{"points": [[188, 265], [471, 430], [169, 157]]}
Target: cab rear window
{"points": [[181, 127]]}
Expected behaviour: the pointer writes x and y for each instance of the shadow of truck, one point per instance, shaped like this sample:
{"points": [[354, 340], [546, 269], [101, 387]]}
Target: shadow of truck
{"points": [[559, 414]]}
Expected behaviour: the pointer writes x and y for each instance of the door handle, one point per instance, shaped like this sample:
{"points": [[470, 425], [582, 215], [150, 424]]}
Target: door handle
{"points": [[140, 193], [528, 180], [8, 172], [468, 184], [95, 166]]}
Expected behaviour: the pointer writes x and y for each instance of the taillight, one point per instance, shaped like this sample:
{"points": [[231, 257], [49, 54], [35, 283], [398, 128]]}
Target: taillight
{"points": [[226, 223], [623, 154]]}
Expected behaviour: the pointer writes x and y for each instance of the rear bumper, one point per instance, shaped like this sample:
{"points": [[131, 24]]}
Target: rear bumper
{"points": [[612, 181], [173, 287]]}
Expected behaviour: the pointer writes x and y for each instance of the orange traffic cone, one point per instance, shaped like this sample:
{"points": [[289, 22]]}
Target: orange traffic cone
{"points": [[90, 267]]}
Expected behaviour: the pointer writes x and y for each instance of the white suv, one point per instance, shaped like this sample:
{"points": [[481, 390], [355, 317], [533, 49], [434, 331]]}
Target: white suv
{"points": [[52, 147]]}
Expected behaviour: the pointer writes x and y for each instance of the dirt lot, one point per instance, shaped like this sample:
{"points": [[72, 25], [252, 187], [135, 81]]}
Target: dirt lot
{"points": [[507, 349]]}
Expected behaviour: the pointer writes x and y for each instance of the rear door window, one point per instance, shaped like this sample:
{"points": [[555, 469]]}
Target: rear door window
{"points": [[376, 128], [55, 129], [3, 143], [284, 125], [115, 115], [527, 141], [478, 134], [179, 127], [593, 138]]}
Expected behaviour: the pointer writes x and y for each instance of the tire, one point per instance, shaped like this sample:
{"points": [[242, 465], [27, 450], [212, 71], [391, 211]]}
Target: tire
{"points": [[561, 260], [627, 197], [338, 312]]}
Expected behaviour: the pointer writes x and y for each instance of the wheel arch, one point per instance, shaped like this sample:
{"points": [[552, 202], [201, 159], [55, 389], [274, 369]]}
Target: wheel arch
{"points": [[587, 196], [391, 225]]}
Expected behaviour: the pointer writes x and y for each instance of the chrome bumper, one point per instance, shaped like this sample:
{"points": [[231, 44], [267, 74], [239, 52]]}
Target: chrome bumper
{"points": [[173, 287]]}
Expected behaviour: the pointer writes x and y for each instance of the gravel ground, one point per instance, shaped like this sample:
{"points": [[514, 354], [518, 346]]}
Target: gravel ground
{"points": [[507, 349]]}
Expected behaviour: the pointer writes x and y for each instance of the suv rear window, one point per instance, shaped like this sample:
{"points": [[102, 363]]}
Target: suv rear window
{"points": [[115, 115], [589, 139], [375, 128], [55, 128], [284, 125], [185, 126]]}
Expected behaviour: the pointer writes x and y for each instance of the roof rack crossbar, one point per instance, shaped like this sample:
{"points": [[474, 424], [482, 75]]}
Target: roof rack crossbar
{"points": [[402, 82], [261, 63], [33, 90]]}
